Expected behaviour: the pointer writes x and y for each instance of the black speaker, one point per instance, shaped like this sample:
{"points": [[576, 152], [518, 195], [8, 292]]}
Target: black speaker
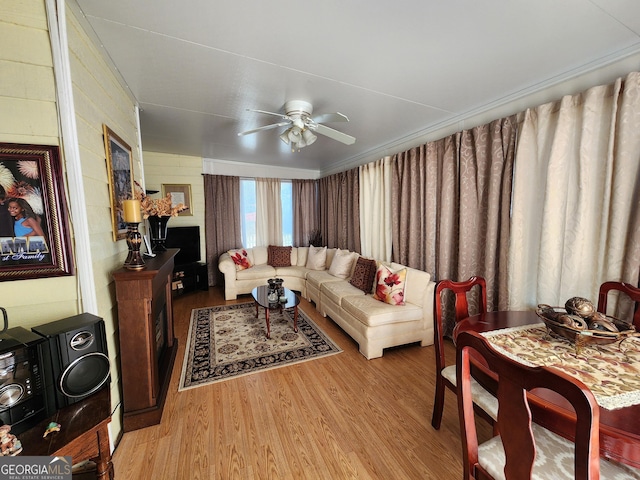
{"points": [[79, 363]]}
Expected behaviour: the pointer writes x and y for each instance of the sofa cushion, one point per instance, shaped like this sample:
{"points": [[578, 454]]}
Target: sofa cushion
{"points": [[372, 312], [342, 263], [292, 271], [279, 256], [335, 291], [316, 258], [416, 284], [257, 271], [390, 285], [240, 258], [364, 274], [302, 256], [330, 253], [316, 278], [260, 255]]}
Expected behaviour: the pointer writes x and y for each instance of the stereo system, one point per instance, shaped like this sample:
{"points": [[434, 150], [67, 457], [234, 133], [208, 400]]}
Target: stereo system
{"points": [[75, 352], [51, 366], [23, 399]]}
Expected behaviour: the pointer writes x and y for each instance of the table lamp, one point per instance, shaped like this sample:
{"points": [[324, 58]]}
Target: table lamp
{"points": [[133, 216]]}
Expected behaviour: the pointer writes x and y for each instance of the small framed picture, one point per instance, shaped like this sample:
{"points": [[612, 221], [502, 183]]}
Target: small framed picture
{"points": [[180, 193]]}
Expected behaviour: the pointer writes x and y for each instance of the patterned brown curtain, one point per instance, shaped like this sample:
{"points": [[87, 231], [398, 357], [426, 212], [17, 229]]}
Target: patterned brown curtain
{"points": [[306, 210], [487, 154], [222, 220], [451, 201], [340, 210]]}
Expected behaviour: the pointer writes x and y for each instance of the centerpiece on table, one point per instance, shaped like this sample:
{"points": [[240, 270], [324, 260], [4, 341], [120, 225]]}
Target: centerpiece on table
{"points": [[581, 324], [158, 211]]}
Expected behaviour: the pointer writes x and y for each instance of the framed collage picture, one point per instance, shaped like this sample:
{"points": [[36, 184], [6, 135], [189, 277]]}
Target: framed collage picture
{"points": [[34, 230]]}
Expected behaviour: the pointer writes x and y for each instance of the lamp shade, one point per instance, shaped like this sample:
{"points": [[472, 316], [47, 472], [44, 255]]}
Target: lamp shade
{"points": [[298, 137], [308, 136], [294, 134], [284, 136]]}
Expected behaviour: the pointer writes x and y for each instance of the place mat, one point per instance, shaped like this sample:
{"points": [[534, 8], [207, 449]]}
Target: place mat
{"points": [[612, 372]]}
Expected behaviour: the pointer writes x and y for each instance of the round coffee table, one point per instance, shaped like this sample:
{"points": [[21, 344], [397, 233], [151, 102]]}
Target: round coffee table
{"points": [[260, 295]]}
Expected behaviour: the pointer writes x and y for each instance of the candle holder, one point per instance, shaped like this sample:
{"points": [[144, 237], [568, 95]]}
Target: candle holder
{"points": [[134, 259]]}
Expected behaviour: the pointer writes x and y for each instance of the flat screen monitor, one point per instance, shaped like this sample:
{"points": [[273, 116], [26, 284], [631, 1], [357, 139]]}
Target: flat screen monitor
{"points": [[187, 239]]}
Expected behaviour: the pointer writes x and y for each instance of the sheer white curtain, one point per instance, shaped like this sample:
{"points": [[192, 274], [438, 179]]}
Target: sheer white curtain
{"points": [[575, 217], [268, 212], [375, 209]]}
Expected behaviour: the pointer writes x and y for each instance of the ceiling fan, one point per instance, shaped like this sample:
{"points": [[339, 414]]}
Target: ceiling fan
{"points": [[302, 125]]}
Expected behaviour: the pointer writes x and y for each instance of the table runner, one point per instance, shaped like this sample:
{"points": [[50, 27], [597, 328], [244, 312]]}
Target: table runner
{"points": [[612, 372]]}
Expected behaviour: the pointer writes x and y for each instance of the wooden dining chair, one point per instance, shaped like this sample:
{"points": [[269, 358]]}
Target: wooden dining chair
{"points": [[632, 292], [523, 449], [486, 404]]}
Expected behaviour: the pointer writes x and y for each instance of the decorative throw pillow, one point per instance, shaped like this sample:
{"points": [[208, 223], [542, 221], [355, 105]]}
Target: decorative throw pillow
{"points": [[390, 285], [364, 274], [316, 258], [341, 263], [241, 258], [279, 256]]}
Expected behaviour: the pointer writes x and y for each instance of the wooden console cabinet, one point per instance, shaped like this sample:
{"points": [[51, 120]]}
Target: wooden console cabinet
{"points": [[84, 434], [147, 343]]}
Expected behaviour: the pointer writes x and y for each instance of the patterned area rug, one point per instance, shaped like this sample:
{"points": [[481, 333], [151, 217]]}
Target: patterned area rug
{"points": [[229, 341]]}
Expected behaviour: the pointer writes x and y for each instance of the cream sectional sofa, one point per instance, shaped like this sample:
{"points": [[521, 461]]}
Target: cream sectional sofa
{"points": [[373, 324]]}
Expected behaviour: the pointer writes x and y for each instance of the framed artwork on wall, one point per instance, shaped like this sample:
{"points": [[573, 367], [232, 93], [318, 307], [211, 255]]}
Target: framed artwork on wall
{"points": [[34, 230], [120, 172], [180, 193]]}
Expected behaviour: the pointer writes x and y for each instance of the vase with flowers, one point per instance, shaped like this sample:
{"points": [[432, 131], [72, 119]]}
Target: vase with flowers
{"points": [[158, 211]]}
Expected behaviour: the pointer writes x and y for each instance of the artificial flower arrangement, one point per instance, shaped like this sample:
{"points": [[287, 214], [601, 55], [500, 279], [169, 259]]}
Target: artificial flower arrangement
{"points": [[157, 207]]}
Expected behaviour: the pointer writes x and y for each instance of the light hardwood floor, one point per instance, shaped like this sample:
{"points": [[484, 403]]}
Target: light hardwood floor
{"points": [[338, 417]]}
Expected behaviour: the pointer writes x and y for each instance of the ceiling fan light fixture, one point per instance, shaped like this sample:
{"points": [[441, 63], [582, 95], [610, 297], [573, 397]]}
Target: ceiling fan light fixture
{"points": [[294, 134], [302, 127], [284, 136], [308, 136]]}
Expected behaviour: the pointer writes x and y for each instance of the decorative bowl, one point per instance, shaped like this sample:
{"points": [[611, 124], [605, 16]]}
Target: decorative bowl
{"points": [[582, 336]]}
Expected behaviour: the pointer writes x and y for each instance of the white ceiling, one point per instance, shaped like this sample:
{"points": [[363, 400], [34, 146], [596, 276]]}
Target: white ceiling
{"points": [[398, 70]]}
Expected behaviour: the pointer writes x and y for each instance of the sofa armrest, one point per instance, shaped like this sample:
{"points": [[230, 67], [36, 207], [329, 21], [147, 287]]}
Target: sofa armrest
{"points": [[228, 268], [420, 290]]}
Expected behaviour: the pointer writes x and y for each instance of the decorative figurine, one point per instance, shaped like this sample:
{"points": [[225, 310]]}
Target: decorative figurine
{"points": [[52, 427], [9, 443]]}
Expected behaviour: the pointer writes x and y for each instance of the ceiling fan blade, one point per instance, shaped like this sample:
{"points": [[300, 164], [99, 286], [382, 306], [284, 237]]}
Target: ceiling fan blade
{"points": [[335, 134], [331, 117], [266, 127], [281, 115]]}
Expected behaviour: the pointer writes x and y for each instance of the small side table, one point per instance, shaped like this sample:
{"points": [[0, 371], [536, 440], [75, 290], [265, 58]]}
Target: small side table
{"points": [[83, 434], [260, 295]]}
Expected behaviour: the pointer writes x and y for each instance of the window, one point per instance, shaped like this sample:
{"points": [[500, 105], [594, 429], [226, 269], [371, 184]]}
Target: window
{"points": [[286, 197], [248, 212]]}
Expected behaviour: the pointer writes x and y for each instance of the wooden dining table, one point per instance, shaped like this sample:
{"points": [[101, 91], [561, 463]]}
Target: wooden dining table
{"points": [[619, 428]]}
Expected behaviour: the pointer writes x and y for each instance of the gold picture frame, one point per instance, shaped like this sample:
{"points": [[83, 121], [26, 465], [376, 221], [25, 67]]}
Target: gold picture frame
{"points": [[180, 193], [120, 171], [31, 181]]}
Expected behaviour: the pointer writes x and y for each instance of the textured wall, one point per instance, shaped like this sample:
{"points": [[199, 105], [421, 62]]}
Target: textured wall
{"points": [[29, 116], [162, 168]]}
